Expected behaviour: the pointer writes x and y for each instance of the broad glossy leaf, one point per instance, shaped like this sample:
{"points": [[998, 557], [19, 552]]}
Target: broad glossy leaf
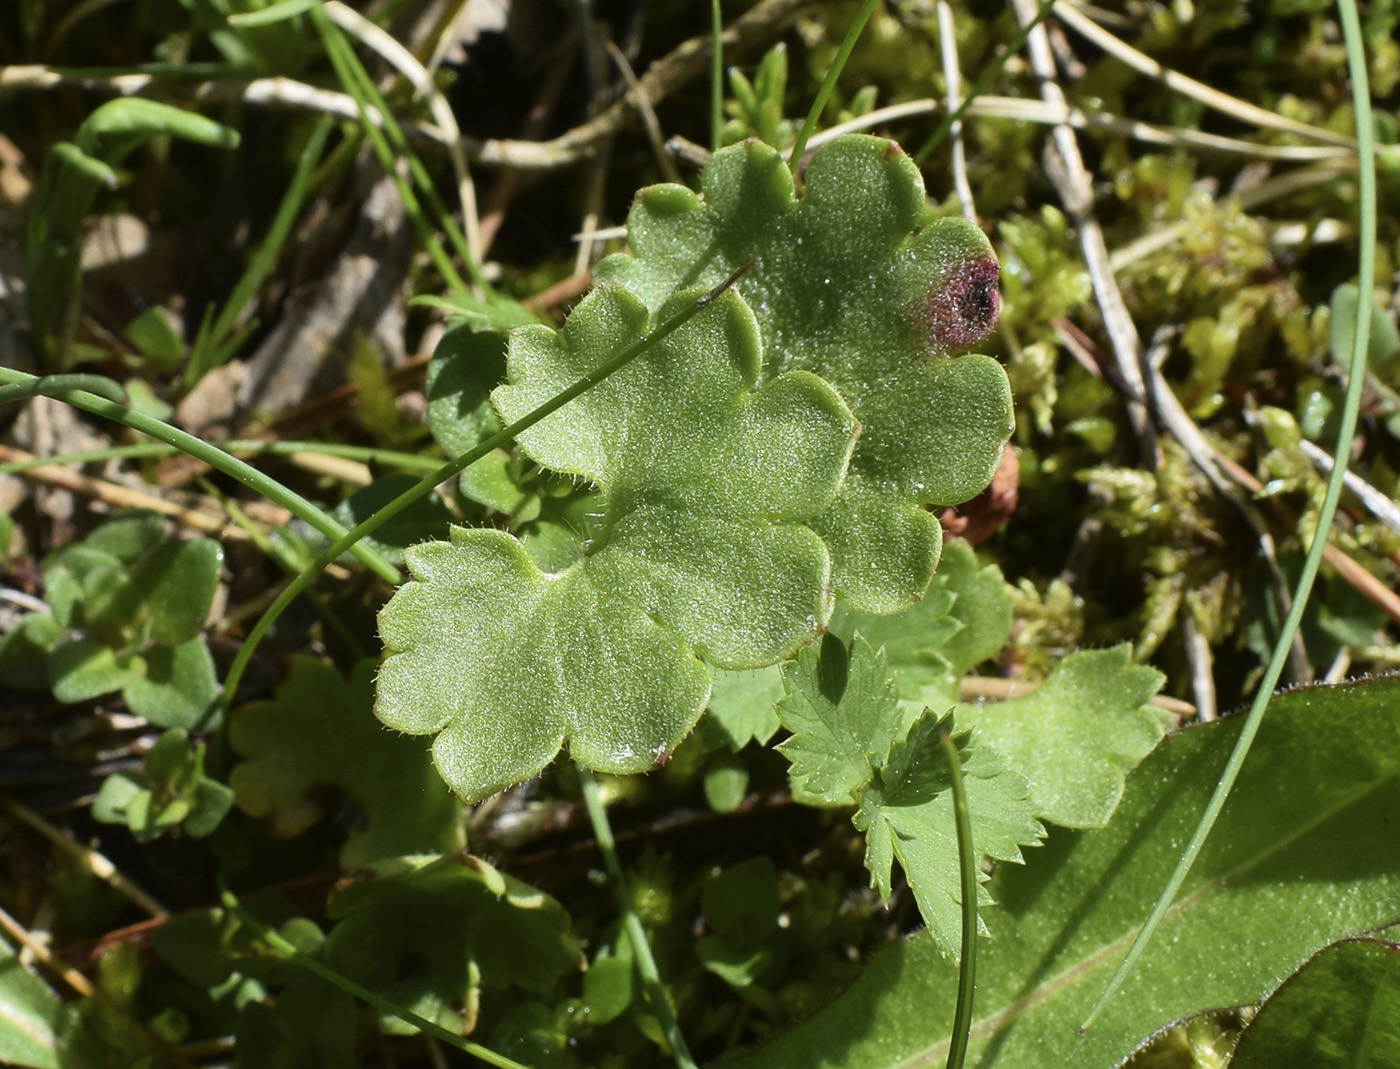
{"points": [[701, 552], [319, 729], [1341, 1010], [1077, 735], [855, 283], [1304, 854]]}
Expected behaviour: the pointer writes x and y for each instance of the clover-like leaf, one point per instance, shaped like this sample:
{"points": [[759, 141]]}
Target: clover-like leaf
{"points": [[1078, 735], [318, 730], [854, 283], [701, 556]]}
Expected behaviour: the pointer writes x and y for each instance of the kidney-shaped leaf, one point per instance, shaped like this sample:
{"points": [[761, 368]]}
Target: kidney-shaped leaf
{"points": [[1304, 854], [702, 552], [851, 285]]}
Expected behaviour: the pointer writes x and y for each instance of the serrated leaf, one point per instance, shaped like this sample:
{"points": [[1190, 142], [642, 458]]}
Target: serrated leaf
{"points": [[1341, 1010], [837, 738], [851, 285], [319, 729], [1078, 734], [907, 815], [1313, 809], [701, 552], [427, 933]]}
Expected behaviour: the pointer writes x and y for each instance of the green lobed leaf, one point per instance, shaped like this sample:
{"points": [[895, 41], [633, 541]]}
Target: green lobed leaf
{"points": [[317, 730], [701, 552], [428, 932], [1078, 734], [1312, 808], [854, 283], [1341, 1010]]}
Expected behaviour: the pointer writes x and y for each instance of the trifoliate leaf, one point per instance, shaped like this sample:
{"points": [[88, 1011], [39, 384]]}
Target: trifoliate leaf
{"points": [[1078, 734], [852, 285], [701, 552], [129, 606], [427, 933], [843, 716], [318, 730], [907, 815]]}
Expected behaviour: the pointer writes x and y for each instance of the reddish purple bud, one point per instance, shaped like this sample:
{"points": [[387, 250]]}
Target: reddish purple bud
{"points": [[963, 308]]}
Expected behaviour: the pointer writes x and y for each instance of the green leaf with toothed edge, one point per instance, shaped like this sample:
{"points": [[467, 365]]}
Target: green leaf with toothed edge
{"points": [[1304, 854], [702, 556], [855, 283], [851, 742]]}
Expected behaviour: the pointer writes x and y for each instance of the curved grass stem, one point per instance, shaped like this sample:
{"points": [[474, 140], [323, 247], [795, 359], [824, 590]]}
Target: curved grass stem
{"points": [[1366, 181], [61, 389], [829, 83], [967, 872]]}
